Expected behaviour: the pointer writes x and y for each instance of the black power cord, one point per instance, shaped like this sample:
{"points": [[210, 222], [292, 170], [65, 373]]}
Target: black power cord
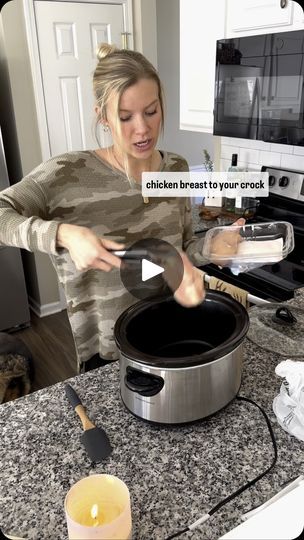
{"points": [[242, 488]]}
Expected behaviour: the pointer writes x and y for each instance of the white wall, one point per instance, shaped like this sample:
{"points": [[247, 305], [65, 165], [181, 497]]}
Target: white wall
{"points": [[254, 154]]}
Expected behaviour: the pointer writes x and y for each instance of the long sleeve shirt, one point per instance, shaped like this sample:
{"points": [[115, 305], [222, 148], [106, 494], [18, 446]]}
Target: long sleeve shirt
{"points": [[81, 188]]}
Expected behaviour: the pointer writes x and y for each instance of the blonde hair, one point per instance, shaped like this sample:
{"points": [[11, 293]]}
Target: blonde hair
{"points": [[117, 70]]}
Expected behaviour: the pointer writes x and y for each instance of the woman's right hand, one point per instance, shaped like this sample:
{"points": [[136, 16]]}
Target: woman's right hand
{"points": [[88, 250], [191, 291]]}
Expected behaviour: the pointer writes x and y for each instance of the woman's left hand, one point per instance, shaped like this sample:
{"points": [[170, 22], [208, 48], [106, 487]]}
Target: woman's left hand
{"points": [[226, 243], [191, 291]]}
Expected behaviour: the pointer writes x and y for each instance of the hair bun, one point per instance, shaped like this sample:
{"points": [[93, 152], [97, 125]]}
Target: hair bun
{"points": [[105, 49]]}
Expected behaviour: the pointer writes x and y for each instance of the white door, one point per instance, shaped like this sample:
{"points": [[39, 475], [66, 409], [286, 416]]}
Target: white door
{"points": [[68, 36]]}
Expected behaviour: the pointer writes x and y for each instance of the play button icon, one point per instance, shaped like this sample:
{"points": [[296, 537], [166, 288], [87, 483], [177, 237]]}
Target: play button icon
{"points": [[150, 269]]}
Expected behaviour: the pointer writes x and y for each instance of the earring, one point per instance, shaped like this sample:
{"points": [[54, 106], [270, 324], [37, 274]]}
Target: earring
{"points": [[105, 127]]}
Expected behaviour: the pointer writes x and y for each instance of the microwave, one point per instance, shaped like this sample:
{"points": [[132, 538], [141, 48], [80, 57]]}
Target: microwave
{"points": [[259, 92]]}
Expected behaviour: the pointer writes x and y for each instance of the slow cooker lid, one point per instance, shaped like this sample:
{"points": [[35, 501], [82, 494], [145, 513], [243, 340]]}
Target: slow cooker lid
{"points": [[163, 333], [278, 328]]}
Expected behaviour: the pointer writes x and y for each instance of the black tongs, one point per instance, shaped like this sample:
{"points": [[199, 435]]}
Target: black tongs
{"points": [[131, 253]]}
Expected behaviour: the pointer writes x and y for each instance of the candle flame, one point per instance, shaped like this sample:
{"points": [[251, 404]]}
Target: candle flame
{"points": [[94, 511]]}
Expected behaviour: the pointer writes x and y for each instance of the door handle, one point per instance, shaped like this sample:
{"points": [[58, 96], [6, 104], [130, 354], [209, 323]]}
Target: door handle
{"points": [[124, 38]]}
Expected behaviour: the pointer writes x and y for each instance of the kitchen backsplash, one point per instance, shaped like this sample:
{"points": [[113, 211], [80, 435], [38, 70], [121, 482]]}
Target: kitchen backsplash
{"points": [[253, 154]]}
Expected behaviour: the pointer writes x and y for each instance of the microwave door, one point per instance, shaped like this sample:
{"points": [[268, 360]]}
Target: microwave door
{"points": [[240, 90], [238, 100], [254, 120]]}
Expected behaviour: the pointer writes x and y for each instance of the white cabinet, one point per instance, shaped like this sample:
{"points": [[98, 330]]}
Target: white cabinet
{"points": [[250, 17], [298, 17], [201, 24]]}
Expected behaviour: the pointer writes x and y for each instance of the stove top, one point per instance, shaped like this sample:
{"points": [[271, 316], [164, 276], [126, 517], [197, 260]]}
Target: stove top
{"points": [[286, 198], [285, 203]]}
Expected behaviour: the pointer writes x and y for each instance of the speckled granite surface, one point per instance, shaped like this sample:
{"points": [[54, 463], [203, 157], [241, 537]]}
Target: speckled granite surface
{"points": [[175, 474], [201, 225]]}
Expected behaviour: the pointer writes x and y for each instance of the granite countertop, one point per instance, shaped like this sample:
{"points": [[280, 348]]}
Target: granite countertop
{"points": [[201, 225], [175, 474]]}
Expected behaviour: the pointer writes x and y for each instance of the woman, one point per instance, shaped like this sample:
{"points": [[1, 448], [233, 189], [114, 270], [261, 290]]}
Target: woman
{"points": [[80, 205]]}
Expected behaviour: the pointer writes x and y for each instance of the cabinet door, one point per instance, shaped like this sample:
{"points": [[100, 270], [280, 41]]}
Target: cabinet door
{"points": [[200, 26], [250, 17], [68, 36]]}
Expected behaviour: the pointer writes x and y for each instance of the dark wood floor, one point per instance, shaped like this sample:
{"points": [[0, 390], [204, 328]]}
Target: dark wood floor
{"points": [[51, 343]]}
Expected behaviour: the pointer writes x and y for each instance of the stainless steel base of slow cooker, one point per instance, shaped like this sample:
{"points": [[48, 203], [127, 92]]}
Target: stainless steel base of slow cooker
{"points": [[185, 394]]}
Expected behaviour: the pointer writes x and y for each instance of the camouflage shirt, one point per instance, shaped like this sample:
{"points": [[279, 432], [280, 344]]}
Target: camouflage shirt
{"points": [[81, 188]]}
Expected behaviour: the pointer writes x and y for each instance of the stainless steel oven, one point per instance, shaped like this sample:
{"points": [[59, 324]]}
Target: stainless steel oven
{"points": [[276, 282]]}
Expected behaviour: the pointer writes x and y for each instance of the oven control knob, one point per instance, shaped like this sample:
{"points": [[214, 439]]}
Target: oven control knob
{"points": [[272, 180], [284, 181]]}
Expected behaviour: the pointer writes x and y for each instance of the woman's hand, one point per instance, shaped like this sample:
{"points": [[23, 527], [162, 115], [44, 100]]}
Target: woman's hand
{"points": [[191, 291], [87, 250], [226, 244]]}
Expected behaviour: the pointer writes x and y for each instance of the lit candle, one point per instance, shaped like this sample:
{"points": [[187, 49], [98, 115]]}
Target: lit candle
{"points": [[98, 507], [94, 514]]}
